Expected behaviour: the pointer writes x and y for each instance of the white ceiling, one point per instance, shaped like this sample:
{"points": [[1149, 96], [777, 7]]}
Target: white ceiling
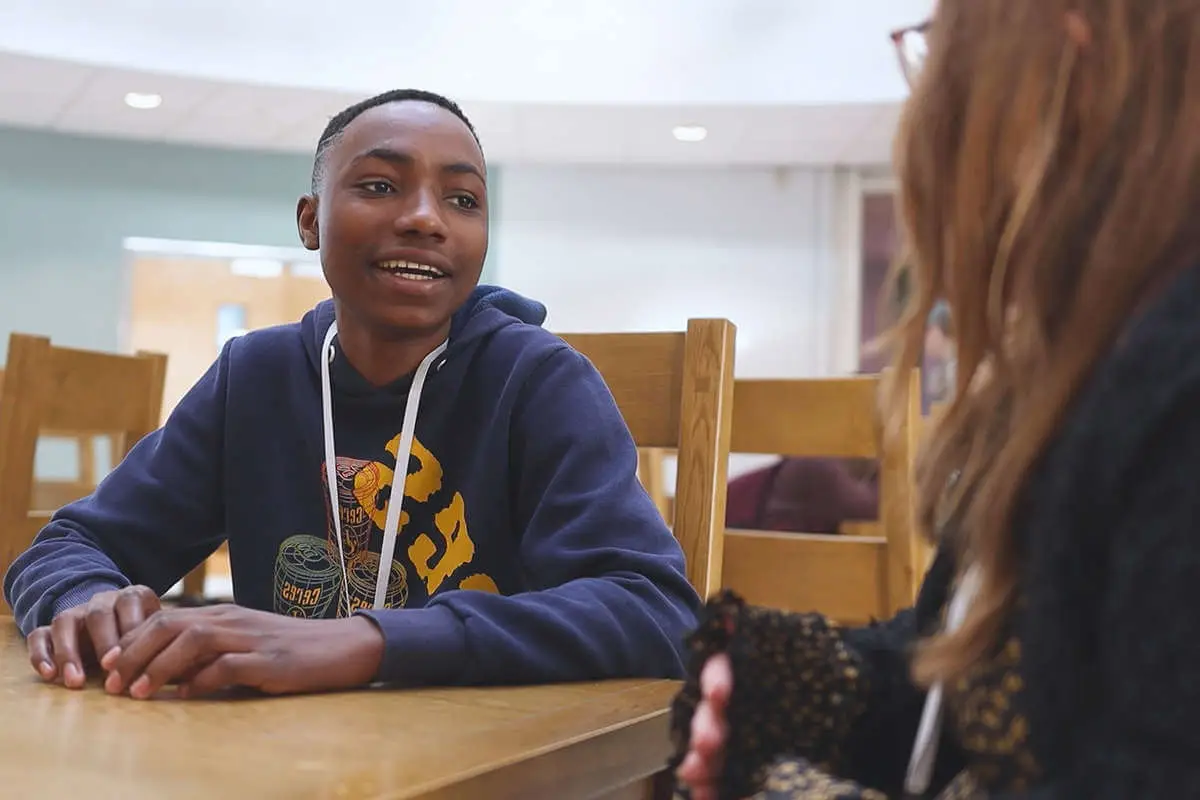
{"points": [[576, 81]]}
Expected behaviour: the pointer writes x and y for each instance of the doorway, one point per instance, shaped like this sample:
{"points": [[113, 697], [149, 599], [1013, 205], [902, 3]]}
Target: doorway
{"points": [[188, 306]]}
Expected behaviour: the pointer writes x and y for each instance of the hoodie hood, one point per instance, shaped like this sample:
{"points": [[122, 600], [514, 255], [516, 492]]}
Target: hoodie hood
{"points": [[488, 309]]}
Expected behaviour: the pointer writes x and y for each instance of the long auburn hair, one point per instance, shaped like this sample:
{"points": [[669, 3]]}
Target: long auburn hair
{"points": [[1049, 164]]}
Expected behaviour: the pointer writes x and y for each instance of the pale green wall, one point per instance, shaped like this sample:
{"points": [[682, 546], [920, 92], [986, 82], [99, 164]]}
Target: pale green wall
{"points": [[67, 202]]}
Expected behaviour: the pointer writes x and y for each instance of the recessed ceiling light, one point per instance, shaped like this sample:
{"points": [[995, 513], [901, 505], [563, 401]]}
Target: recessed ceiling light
{"points": [[143, 100], [690, 133]]}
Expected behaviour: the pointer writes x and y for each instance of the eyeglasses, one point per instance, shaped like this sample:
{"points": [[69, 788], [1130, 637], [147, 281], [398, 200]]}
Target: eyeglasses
{"points": [[911, 48]]}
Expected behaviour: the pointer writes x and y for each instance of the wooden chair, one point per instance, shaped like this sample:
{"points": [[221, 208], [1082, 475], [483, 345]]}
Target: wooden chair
{"points": [[50, 388], [52, 494], [48, 495], [85, 444], [675, 390], [849, 578]]}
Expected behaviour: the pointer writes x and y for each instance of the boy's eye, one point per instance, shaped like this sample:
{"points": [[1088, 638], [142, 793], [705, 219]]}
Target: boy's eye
{"points": [[465, 202], [377, 187]]}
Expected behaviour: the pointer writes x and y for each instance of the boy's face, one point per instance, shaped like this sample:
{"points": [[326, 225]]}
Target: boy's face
{"points": [[401, 218]]}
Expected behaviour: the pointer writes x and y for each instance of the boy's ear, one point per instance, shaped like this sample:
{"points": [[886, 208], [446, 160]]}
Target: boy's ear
{"points": [[306, 222]]}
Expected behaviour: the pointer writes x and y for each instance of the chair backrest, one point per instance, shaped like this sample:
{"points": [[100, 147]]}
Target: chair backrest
{"points": [[57, 389], [849, 578], [675, 391], [51, 494]]}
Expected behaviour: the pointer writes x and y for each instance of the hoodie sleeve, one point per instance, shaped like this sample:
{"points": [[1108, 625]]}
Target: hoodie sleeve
{"points": [[609, 595], [156, 516]]}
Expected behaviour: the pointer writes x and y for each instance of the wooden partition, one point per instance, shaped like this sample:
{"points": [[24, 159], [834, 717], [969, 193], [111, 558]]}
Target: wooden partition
{"points": [[675, 391]]}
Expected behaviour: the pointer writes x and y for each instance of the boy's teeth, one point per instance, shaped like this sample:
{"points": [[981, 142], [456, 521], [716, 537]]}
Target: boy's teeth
{"points": [[412, 270]]}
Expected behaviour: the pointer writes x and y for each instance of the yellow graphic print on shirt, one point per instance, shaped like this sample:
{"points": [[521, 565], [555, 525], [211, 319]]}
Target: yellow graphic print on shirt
{"points": [[308, 575]]}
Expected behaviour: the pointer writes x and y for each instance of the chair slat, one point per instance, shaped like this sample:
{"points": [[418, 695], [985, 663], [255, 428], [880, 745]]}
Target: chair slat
{"points": [[826, 418], [842, 577]]}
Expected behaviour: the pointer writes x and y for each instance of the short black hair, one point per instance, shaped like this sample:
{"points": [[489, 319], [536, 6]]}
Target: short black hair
{"points": [[337, 125]]}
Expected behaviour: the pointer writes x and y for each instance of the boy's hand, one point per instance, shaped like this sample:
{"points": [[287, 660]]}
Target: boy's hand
{"points": [[204, 650], [79, 637]]}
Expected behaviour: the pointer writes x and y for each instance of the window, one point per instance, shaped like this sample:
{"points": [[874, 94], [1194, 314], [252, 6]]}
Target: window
{"points": [[231, 322]]}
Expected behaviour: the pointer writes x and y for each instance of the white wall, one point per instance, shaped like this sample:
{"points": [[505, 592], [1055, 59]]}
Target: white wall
{"points": [[615, 249], [638, 249]]}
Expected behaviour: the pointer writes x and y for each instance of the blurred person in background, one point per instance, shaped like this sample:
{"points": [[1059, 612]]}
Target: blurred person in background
{"points": [[804, 495], [1049, 164]]}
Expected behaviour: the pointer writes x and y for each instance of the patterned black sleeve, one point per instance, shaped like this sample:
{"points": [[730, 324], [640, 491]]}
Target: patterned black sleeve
{"points": [[840, 699], [798, 690]]}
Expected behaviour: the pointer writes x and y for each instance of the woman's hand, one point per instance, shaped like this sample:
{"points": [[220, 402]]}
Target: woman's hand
{"points": [[701, 767]]}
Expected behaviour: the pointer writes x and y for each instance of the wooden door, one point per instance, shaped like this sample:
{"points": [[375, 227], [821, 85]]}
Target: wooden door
{"points": [[177, 305], [180, 305]]}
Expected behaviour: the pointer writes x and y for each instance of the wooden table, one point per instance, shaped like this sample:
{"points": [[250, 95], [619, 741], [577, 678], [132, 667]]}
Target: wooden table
{"points": [[564, 741]]}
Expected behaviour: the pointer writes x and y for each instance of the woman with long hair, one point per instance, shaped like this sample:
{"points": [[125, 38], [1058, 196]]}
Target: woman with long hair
{"points": [[1049, 165]]}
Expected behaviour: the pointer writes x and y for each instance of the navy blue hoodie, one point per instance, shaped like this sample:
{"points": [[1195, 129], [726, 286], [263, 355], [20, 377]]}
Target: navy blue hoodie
{"points": [[527, 550]]}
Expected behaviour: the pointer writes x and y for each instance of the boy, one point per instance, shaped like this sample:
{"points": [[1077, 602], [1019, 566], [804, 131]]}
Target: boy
{"points": [[519, 547]]}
